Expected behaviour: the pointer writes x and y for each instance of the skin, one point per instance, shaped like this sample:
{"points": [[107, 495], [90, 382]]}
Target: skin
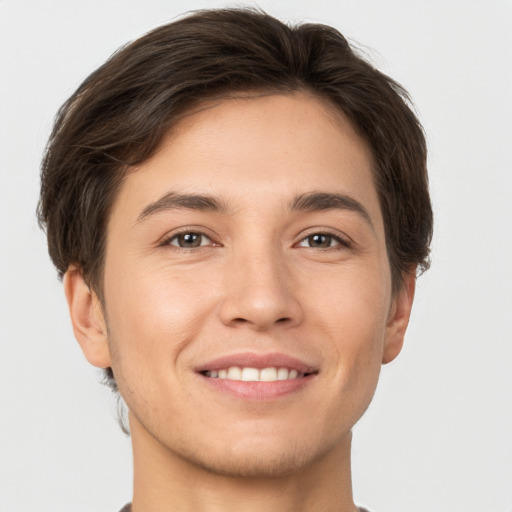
{"points": [[256, 284]]}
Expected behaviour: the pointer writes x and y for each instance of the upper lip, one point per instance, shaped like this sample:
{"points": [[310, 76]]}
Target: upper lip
{"points": [[259, 361]]}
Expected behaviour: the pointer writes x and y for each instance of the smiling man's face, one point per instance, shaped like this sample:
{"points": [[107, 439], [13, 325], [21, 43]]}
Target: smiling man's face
{"points": [[247, 288]]}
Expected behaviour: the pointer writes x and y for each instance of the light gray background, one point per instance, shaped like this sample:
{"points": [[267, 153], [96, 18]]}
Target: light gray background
{"points": [[438, 437]]}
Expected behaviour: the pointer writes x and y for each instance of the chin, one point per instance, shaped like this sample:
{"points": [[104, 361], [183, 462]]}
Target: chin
{"points": [[281, 458]]}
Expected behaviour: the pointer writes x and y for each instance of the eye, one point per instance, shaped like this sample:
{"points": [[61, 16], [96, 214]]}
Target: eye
{"points": [[189, 240], [321, 241]]}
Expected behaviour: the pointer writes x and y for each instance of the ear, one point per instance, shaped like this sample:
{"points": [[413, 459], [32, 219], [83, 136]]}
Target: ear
{"points": [[87, 318], [399, 318]]}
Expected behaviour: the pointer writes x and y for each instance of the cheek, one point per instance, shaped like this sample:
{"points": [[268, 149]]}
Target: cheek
{"points": [[353, 312], [352, 301], [153, 315], [151, 322]]}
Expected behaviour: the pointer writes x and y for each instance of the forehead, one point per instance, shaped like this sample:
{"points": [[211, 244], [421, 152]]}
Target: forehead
{"points": [[270, 124], [271, 146]]}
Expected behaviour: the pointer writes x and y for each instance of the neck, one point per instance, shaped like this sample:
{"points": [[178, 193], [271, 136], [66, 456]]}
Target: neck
{"points": [[165, 481]]}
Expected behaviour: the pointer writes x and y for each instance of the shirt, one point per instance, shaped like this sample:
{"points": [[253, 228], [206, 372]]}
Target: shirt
{"points": [[128, 508]]}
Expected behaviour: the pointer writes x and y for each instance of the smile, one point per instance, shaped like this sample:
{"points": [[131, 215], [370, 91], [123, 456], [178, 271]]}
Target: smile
{"points": [[247, 374], [257, 377]]}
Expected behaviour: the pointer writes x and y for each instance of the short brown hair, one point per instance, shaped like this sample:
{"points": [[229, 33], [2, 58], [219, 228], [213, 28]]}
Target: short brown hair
{"points": [[120, 113]]}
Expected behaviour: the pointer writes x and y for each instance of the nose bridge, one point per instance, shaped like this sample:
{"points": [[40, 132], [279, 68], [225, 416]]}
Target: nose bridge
{"points": [[258, 287]]}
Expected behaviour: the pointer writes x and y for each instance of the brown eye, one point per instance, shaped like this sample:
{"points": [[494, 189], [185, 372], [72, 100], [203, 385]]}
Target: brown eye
{"points": [[189, 240], [321, 241]]}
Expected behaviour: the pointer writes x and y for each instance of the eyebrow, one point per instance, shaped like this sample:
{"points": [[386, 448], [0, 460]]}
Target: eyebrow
{"points": [[323, 201], [175, 201], [309, 202]]}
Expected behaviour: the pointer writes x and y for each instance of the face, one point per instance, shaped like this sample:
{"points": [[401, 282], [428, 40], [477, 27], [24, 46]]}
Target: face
{"points": [[247, 287]]}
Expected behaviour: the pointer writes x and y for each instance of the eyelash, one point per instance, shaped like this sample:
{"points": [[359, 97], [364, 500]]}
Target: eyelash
{"points": [[341, 243], [168, 241]]}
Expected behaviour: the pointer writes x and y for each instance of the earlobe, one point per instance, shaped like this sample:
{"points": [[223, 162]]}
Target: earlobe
{"points": [[87, 318], [399, 318]]}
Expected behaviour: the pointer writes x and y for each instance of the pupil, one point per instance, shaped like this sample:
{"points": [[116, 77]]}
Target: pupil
{"points": [[320, 240], [190, 240]]}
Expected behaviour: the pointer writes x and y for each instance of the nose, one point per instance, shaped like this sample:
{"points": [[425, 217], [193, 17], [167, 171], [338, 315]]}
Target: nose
{"points": [[259, 292]]}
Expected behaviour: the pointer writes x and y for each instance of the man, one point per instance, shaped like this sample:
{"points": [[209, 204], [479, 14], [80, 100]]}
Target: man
{"points": [[239, 210]]}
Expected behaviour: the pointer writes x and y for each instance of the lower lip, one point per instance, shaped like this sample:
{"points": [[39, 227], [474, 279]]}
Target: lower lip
{"points": [[259, 391]]}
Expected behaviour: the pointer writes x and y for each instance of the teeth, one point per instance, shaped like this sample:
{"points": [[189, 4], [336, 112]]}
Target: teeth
{"points": [[234, 373], [254, 375], [282, 374], [250, 374], [268, 374]]}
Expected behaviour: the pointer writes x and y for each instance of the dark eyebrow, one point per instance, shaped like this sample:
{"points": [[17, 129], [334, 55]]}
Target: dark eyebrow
{"points": [[323, 201], [312, 201], [175, 201]]}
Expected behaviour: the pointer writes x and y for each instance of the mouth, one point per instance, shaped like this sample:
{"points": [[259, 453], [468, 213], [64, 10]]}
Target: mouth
{"points": [[248, 374], [257, 376]]}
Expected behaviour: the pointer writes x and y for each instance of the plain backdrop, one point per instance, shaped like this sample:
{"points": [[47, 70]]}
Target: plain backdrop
{"points": [[438, 436]]}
